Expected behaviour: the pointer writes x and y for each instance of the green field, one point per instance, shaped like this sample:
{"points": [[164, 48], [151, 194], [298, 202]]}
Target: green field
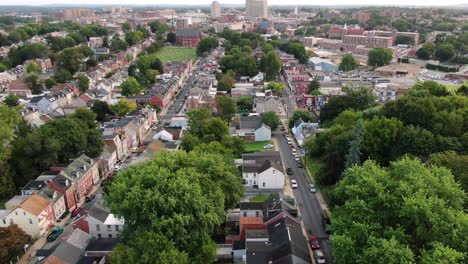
{"points": [[453, 87], [257, 146], [176, 54], [259, 198]]}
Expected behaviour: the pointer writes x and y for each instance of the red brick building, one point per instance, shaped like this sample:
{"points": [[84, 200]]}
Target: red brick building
{"points": [[188, 37]]}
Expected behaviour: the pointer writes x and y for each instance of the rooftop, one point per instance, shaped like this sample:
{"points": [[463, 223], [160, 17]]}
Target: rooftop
{"points": [[35, 204]]}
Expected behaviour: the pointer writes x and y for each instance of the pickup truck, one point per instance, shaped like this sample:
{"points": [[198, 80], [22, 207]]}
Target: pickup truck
{"points": [[54, 234]]}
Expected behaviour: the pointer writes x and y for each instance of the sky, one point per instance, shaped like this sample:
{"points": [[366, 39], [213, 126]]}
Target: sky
{"points": [[270, 2]]}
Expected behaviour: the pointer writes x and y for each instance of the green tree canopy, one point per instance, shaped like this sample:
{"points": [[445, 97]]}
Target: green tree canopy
{"points": [[271, 65], [305, 115], [392, 215], [245, 103], [444, 52], [133, 37], [206, 45], [123, 107], [348, 63], [131, 87], [226, 107], [102, 110], [83, 82], [271, 119], [11, 100], [185, 195], [379, 57], [275, 87]]}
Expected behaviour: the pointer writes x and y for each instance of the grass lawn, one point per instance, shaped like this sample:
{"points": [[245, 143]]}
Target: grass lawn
{"points": [[313, 165], [176, 54], [453, 87], [259, 198], [257, 146]]}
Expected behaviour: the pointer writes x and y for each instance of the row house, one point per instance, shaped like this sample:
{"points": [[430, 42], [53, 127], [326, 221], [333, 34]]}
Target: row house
{"points": [[76, 180], [45, 64], [164, 91], [300, 88], [5, 79], [45, 104], [314, 102], [18, 87], [107, 161], [297, 76], [34, 215], [119, 140]]}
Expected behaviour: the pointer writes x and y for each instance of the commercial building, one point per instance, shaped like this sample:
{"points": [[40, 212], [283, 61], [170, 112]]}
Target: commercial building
{"points": [[256, 8], [362, 18], [188, 37], [183, 23], [75, 13], [215, 9], [370, 41]]}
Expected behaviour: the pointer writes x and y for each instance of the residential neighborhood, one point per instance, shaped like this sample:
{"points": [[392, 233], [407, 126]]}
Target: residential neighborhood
{"points": [[233, 133]]}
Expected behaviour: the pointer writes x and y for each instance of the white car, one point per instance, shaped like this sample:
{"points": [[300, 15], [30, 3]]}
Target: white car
{"points": [[293, 184], [319, 257], [117, 167], [269, 146]]}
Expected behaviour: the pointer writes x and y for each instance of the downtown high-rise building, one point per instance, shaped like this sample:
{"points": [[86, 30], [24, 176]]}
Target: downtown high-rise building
{"points": [[215, 9], [256, 8]]}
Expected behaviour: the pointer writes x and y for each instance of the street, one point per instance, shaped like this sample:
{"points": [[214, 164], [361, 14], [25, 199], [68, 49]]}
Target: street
{"points": [[307, 202]]}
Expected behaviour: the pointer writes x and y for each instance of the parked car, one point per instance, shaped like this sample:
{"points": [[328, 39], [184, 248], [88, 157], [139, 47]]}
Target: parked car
{"points": [[90, 198], [289, 171], [117, 167], [314, 244], [269, 146], [312, 188], [76, 211], [54, 234], [319, 257], [293, 184], [300, 164]]}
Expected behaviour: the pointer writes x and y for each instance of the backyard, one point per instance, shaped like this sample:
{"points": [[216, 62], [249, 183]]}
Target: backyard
{"points": [[454, 87], [258, 146], [176, 54]]}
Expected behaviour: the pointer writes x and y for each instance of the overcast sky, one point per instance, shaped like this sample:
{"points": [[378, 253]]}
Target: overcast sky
{"points": [[271, 2]]}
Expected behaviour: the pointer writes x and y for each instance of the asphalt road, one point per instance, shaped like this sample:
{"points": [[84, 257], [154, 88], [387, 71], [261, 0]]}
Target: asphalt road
{"points": [[307, 202]]}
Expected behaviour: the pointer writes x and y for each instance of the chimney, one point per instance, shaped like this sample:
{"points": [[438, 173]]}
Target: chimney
{"points": [[67, 182], [84, 167]]}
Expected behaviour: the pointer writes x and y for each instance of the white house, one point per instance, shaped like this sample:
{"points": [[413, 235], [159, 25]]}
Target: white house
{"points": [[263, 170], [44, 104], [303, 130], [34, 215], [103, 224], [251, 128]]}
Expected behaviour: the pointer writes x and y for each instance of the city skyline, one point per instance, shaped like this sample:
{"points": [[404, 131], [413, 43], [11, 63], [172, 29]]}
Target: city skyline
{"points": [[239, 2]]}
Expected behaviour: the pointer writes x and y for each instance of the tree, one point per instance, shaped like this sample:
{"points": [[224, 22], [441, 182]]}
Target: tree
{"points": [[126, 27], [11, 100], [34, 84], [379, 57], [425, 52], [305, 115], [381, 139], [314, 85], [171, 37], [83, 82], [354, 155], [27, 52], [271, 119], [225, 107], [456, 163], [405, 40], [62, 76], [86, 115], [12, 242], [71, 59], [158, 27], [33, 68], [444, 52], [49, 82], [275, 87], [2, 67], [131, 87], [186, 195], [206, 45], [118, 44], [133, 37], [395, 215], [272, 65], [463, 90], [225, 83], [245, 103], [355, 98], [123, 107], [348, 63], [102, 110]]}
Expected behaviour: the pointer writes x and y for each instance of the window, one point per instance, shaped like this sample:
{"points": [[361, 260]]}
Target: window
{"points": [[263, 184], [24, 213], [30, 221], [98, 227], [4, 221], [110, 235], [109, 227], [117, 228], [16, 213], [99, 236], [245, 214], [257, 213]]}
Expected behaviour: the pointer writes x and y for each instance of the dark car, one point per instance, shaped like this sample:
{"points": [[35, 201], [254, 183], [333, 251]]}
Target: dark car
{"points": [[90, 198], [54, 234], [289, 171]]}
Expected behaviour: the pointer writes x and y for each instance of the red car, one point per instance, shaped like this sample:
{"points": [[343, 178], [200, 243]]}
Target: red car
{"points": [[314, 242], [76, 211]]}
